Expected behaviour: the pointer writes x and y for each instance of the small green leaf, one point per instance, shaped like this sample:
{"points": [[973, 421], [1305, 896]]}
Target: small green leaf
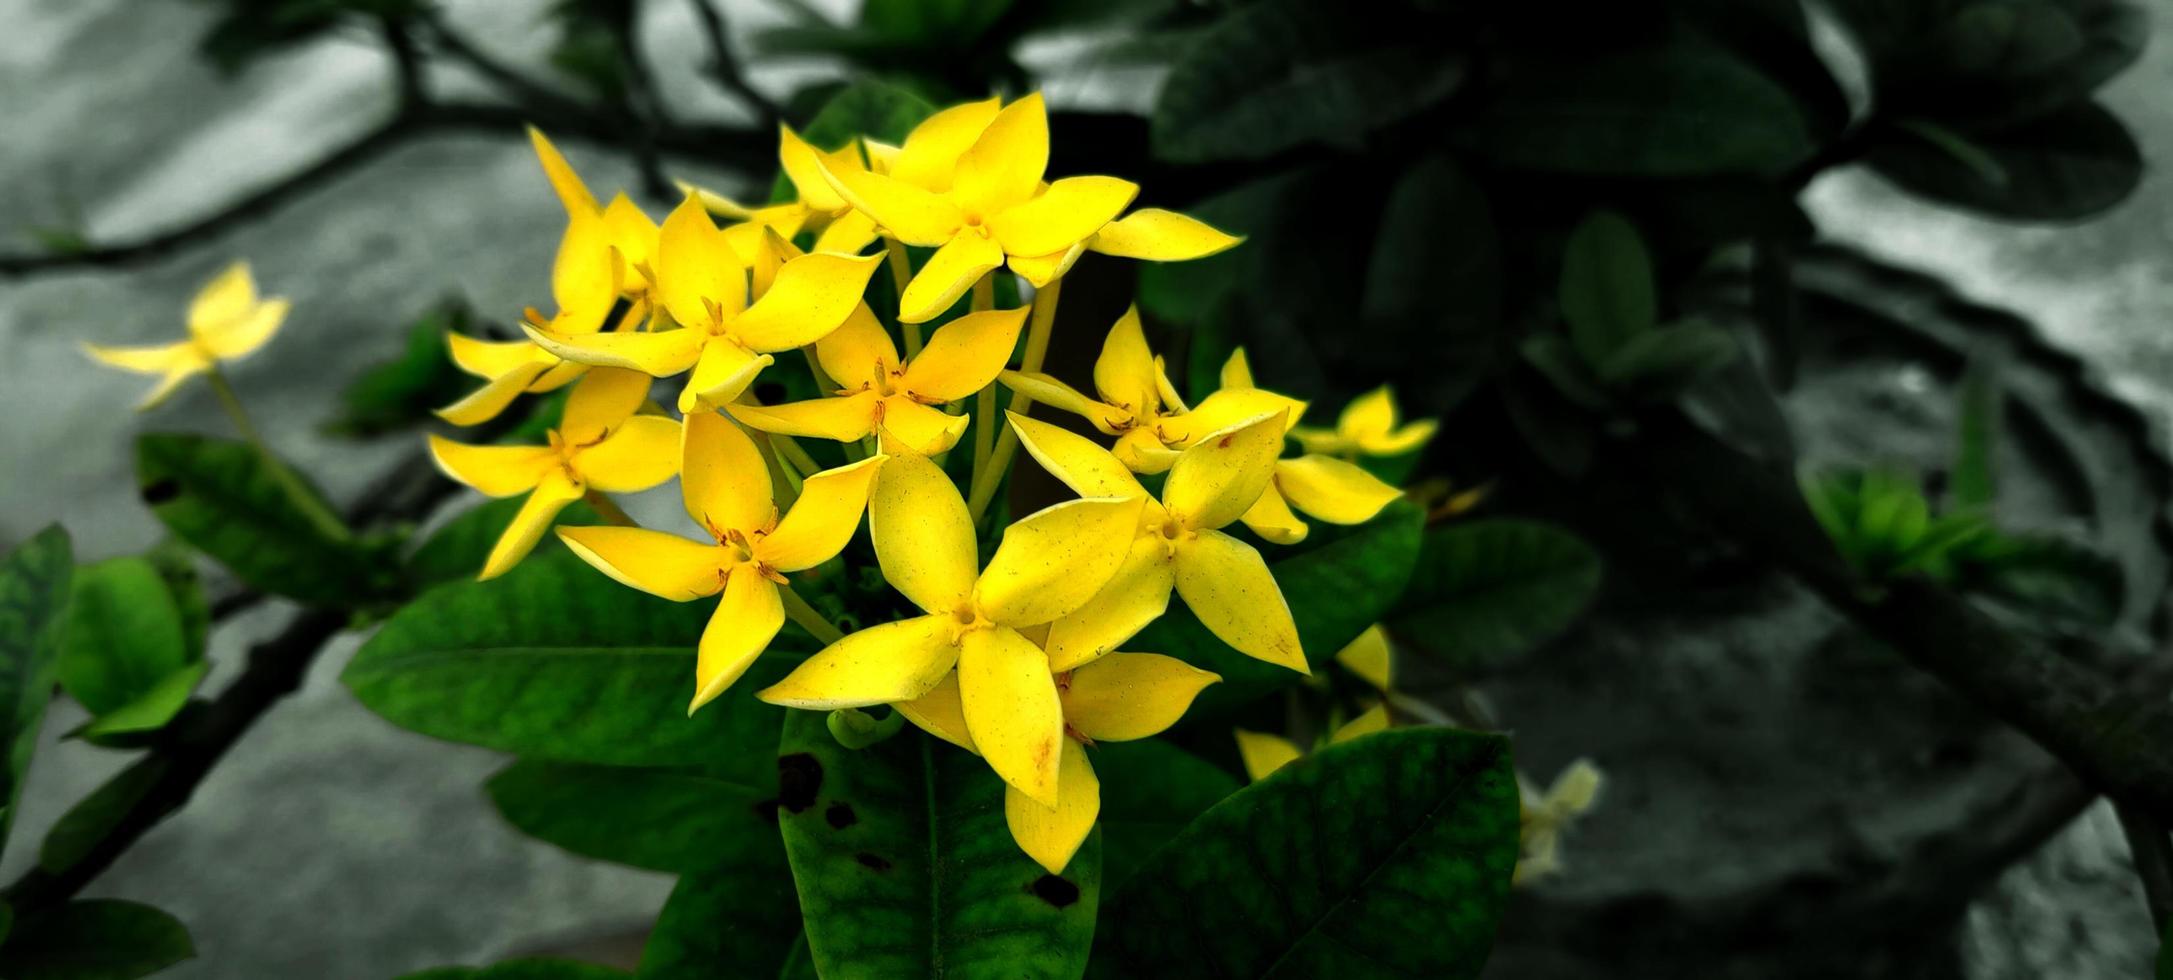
{"points": [[401, 393], [906, 867], [34, 589], [1388, 855], [1150, 791], [649, 818], [1661, 363], [1607, 287], [2065, 166], [459, 549], [218, 496], [1488, 590], [94, 816], [100, 939], [125, 635], [555, 661], [1557, 361]]}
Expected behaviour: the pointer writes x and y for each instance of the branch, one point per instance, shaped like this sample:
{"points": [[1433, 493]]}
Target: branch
{"points": [[511, 83], [725, 67]]}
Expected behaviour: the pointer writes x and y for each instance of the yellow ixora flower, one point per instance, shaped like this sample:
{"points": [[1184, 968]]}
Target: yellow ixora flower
{"points": [[1546, 815], [1368, 658], [1177, 543], [227, 321], [1367, 427], [988, 208], [817, 206], [702, 283], [1141, 408], [1321, 487], [1046, 567], [1119, 698], [750, 549], [599, 444], [880, 389]]}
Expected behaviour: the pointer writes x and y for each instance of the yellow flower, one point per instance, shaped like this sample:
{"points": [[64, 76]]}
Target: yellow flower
{"points": [[726, 486], [1119, 698], [987, 207], [1367, 427], [627, 232], [703, 285], [818, 207], [1368, 657], [1547, 815], [1140, 407], [880, 390], [227, 321], [599, 443], [1177, 543], [1263, 753], [1047, 566], [1322, 487]]}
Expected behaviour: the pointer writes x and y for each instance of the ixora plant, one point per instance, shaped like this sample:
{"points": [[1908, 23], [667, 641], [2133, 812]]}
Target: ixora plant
{"points": [[888, 705]]}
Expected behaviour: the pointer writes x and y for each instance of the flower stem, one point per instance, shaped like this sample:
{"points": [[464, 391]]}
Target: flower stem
{"points": [[789, 449], [800, 612], [984, 404], [1007, 442], [608, 509], [312, 507], [901, 272]]}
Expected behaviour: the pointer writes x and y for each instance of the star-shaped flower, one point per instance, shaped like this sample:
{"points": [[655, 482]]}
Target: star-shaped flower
{"points": [[227, 321]]}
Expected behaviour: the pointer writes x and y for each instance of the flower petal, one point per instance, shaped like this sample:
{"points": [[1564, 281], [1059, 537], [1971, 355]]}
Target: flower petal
{"points": [[745, 238], [585, 273], [716, 204], [823, 519], [1374, 719], [1012, 709], [152, 359], [1217, 480], [1126, 696], [1041, 270], [880, 665], [1333, 490], [165, 387], [1056, 394], [940, 713], [1125, 373], [1007, 160], [493, 358], [229, 296], [1052, 562], [240, 336], [1368, 416], [1400, 441], [923, 536], [496, 471], [746, 620], [1088, 469], [932, 149], [485, 403], [847, 419], [722, 477], [604, 398], [695, 270], [926, 430], [664, 565], [1070, 211], [1226, 408], [810, 297], [803, 166], [1144, 452], [641, 453], [1230, 589], [847, 234], [571, 191], [1051, 835], [723, 373], [1136, 595], [658, 355], [1161, 236], [1368, 657], [949, 273], [1270, 518], [520, 537], [1237, 371], [634, 235], [965, 355], [1264, 753], [907, 213], [859, 351]]}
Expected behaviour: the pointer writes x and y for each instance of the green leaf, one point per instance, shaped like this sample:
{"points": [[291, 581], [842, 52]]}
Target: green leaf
{"points": [[94, 816], [1388, 855], [2065, 166], [536, 969], [875, 109], [1988, 64], [401, 393], [1335, 591], [34, 588], [1565, 370], [1433, 287], [906, 867], [459, 549], [176, 563], [1974, 482], [1150, 791], [649, 818], [555, 661], [1607, 287], [742, 919], [1280, 74], [154, 708], [2047, 577], [125, 635], [1686, 108], [931, 23], [1488, 590], [100, 939], [1661, 363], [218, 496]]}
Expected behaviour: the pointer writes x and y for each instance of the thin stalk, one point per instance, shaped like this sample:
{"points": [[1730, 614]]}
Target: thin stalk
{"points": [[784, 480], [984, 403], [1042, 320], [823, 381], [789, 449], [312, 508], [901, 272], [608, 509], [797, 610]]}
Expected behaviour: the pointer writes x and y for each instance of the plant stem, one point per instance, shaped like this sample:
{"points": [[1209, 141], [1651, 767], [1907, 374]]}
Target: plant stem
{"points": [[984, 403], [789, 449], [901, 272], [1007, 442], [800, 612], [312, 508], [608, 509]]}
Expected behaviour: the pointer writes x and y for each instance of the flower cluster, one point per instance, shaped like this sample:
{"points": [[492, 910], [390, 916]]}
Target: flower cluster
{"points": [[1019, 658]]}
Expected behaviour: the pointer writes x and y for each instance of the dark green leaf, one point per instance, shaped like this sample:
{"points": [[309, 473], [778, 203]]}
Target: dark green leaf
{"points": [[459, 549], [1661, 363], [401, 393], [875, 109], [2066, 166], [100, 939], [1388, 855], [1488, 590], [1286, 73], [906, 866], [1150, 791], [1557, 361], [742, 919], [176, 563], [1335, 591], [1607, 287], [93, 816], [124, 635], [1433, 288], [648, 818], [34, 587], [538, 969], [2047, 577], [218, 496], [1688, 108], [931, 23], [555, 661], [1988, 64]]}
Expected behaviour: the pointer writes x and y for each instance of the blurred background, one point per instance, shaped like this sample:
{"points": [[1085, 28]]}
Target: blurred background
{"points": [[330, 844]]}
